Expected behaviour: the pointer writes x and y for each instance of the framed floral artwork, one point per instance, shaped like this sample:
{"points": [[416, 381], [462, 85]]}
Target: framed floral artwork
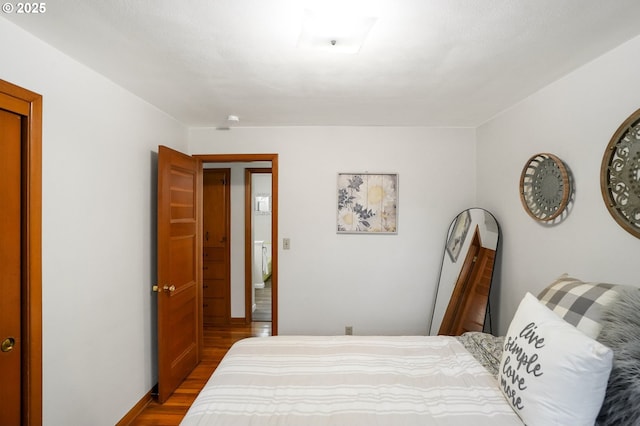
{"points": [[458, 235], [367, 203]]}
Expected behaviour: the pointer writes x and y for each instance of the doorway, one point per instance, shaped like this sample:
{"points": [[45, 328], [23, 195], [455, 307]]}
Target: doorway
{"points": [[258, 283], [20, 256], [180, 197], [271, 159]]}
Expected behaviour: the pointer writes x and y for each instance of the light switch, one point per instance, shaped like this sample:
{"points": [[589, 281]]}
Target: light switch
{"points": [[286, 243]]}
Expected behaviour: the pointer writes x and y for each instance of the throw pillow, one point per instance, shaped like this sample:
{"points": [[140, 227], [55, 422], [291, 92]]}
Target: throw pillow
{"points": [[621, 332], [550, 372], [579, 303]]}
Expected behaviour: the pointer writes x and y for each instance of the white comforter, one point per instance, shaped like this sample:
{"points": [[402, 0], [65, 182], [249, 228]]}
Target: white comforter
{"points": [[350, 380]]}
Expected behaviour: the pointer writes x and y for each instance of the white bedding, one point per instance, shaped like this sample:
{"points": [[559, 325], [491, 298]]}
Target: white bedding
{"points": [[350, 380]]}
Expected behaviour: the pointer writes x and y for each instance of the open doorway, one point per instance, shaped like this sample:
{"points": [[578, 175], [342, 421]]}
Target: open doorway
{"points": [[241, 293], [258, 285], [181, 330]]}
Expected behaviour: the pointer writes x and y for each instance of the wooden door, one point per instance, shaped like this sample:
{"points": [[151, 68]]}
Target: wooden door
{"points": [[179, 268], [20, 256], [10, 269], [216, 255]]}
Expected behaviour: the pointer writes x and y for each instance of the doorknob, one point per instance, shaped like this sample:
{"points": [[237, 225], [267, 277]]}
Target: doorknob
{"points": [[167, 288], [8, 344]]}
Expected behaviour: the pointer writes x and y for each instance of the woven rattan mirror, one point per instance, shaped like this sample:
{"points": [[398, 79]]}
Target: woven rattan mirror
{"points": [[620, 175], [545, 187]]}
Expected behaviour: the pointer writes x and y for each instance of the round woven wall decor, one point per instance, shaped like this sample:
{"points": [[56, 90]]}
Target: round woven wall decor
{"points": [[620, 175], [545, 187]]}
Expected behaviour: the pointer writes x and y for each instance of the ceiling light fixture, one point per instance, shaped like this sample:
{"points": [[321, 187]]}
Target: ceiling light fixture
{"points": [[334, 32]]}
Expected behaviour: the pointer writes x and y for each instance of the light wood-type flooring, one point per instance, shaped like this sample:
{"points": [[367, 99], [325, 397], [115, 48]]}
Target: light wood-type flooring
{"points": [[217, 341]]}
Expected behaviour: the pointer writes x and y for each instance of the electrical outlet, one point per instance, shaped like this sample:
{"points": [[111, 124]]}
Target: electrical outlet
{"points": [[286, 243], [348, 330]]}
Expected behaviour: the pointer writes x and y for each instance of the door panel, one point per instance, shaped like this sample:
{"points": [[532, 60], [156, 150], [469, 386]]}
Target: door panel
{"points": [[179, 268], [216, 251], [10, 269]]}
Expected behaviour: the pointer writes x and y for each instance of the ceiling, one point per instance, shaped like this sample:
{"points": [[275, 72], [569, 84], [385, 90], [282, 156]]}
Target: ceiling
{"points": [[423, 62]]}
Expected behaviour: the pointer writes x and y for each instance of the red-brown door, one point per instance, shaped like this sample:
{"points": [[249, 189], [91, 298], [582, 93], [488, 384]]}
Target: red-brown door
{"points": [[179, 268], [216, 255], [20, 256], [10, 269]]}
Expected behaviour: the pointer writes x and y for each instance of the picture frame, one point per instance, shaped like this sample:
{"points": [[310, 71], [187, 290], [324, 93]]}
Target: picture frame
{"points": [[458, 235], [367, 203]]}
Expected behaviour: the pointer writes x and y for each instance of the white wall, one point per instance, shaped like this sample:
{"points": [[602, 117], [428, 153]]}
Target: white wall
{"points": [[575, 119], [379, 284], [98, 259]]}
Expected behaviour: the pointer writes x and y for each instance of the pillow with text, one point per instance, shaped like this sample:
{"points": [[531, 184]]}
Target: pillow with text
{"points": [[550, 372]]}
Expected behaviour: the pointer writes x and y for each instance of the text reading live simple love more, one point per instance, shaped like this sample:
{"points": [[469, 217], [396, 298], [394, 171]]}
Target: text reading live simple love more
{"points": [[515, 372]]}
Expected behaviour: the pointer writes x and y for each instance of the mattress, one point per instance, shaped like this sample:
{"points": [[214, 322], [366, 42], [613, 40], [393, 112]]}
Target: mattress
{"points": [[350, 380]]}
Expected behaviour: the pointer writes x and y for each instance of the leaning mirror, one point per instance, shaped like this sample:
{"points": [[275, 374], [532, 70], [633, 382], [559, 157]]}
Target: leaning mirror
{"points": [[468, 261]]}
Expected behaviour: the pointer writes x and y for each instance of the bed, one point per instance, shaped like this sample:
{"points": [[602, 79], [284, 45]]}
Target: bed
{"points": [[554, 372]]}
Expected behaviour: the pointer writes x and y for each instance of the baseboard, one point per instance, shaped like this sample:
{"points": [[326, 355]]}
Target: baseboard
{"points": [[136, 410]]}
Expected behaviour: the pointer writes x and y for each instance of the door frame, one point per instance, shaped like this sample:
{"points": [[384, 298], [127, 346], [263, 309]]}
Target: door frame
{"points": [[29, 105], [246, 158], [248, 240]]}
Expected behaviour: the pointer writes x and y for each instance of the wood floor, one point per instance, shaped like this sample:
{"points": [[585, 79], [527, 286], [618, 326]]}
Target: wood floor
{"points": [[263, 303], [217, 341]]}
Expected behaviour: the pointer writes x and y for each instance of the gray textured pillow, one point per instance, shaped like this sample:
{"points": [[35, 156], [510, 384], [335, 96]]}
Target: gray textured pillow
{"points": [[621, 332]]}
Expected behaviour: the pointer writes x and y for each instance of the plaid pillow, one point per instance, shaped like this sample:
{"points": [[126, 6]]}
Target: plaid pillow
{"points": [[579, 303]]}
